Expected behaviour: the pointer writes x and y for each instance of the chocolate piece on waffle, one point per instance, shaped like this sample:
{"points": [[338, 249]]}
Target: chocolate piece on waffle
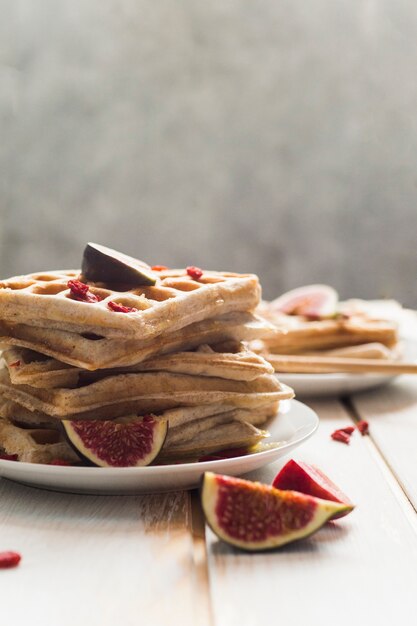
{"points": [[96, 352], [175, 301]]}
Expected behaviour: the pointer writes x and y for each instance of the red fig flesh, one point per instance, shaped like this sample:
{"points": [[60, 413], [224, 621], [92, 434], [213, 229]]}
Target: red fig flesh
{"points": [[117, 443], [311, 301], [310, 480], [253, 516]]}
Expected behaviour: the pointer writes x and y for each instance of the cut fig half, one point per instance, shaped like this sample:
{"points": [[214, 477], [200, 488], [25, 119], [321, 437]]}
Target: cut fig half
{"points": [[310, 480], [253, 516], [104, 265], [310, 301], [122, 442]]}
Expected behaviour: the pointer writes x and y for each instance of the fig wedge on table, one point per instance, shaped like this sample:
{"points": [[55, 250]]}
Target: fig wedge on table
{"points": [[309, 479], [104, 265], [311, 301], [123, 442], [253, 516]]}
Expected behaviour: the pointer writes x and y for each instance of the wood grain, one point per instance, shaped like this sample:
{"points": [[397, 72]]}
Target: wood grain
{"points": [[96, 560], [392, 415], [358, 569]]}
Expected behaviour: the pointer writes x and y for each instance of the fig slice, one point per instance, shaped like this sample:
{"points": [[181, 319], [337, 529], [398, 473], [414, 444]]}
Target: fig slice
{"points": [[104, 265], [310, 480], [122, 442], [311, 301], [253, 516]]}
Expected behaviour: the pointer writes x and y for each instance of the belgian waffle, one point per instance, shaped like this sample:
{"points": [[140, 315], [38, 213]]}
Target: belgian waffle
{"points": [[255, 416], [40, 444], [34, 444], [31, 368], [95, 352], [103, 352], [302, 335], [147, 392], [211, 434], [175, 301], [258, 414]]}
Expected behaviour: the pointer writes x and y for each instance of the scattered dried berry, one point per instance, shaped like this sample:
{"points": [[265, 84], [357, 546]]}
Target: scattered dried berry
{"points": [[9, 559], [347, 429], [59, 462], [80, 291], [9, 457], [15, 364], [119, 308], [195, 272], [159, 268], [340, 435], [363, 427]]}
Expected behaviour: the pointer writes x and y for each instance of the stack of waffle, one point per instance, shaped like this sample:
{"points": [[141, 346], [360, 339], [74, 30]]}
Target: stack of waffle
{"points": [[96, 352], [309, 341]]}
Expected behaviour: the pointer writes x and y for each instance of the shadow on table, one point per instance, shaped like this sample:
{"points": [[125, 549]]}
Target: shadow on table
{"points": [[311, 545]]}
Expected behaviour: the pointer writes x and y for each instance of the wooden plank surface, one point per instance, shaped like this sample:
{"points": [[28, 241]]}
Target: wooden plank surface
{"points": [[101, 560], [392, 415], [358, 570]]}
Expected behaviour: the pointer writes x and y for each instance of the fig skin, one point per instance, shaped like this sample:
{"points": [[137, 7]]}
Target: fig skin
{"points": [[104, 265], [130, 449], [313, 301], [257, 517], [310, 480]]}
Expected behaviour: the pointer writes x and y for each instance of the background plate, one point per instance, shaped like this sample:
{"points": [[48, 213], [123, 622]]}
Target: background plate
{"points": [[322, 385], [290, 427]]}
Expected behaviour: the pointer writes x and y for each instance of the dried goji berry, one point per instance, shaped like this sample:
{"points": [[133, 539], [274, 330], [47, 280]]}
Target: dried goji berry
{"points": [[9, 457], [363, 427], [59, 462], [15, 364], [339, 435], [119, 308], [347, 429], [159, 268], [80, 291], [9, 559], [195, 272]]}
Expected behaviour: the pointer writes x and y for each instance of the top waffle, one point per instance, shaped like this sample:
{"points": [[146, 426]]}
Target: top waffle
{"points": [[175, 301]]}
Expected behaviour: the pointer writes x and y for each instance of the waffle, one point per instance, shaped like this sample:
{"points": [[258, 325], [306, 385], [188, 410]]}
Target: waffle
{"points": [[304, 336], [30, 368], [210, 435], [34, 444], [37, 444], [11, 411], [92, 352], [362, 351], [175, 301], [144, 392], [256, 415]]}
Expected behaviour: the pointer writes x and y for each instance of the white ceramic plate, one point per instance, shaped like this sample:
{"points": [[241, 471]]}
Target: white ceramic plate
{"points": [[324, 385], [290, 427]]}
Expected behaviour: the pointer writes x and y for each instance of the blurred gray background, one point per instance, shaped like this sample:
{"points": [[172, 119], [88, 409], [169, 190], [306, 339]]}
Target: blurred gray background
{"points": [[275, 136]]}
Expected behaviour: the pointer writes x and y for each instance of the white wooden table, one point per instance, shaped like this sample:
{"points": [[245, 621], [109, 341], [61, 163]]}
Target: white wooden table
{"points": [[149, 560]]}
